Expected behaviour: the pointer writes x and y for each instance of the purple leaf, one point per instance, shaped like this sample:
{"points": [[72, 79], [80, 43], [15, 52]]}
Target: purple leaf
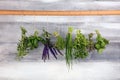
{"points": [[44, 53], [47, 51], [59, 51], [55, 51], [52, 52]]}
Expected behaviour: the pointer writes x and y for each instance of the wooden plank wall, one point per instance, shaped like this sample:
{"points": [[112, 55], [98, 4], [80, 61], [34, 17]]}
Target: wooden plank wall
{"points": [[10, 25]]}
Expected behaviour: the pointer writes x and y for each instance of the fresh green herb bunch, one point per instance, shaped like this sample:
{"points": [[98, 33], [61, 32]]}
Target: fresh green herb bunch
{"points": [[23, 44], [100, 42], [33, 41], [60, 42], [49, 47], [27, 43], [69, 47], [80, 46]]}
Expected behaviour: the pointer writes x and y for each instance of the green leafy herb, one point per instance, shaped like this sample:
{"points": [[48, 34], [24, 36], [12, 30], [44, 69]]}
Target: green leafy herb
{"points": [[80, 46], [60, 42], [68, 47], [23, 44], [27, 43], [77, 48], [100, 42], [33, 41]]}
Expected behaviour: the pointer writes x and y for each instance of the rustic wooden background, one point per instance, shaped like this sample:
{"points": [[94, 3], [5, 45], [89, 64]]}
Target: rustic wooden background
{"points": [[109, 27]]}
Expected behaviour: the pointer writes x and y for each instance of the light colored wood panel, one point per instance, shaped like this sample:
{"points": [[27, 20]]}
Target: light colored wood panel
{"points": [[10, 32], [8, 54], [59, 5], [59, 13], [60, 19]]}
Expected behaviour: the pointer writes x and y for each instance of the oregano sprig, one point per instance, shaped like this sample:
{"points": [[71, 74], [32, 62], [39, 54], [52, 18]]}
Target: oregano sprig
{"points": [[80, 46]]}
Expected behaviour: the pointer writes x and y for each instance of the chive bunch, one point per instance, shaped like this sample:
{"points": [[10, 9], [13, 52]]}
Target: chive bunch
{"points": [[77, 48], [69, 47]]}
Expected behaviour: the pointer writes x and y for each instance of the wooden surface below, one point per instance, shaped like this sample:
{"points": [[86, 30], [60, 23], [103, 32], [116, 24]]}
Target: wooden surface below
{"points": [[59, 13]]}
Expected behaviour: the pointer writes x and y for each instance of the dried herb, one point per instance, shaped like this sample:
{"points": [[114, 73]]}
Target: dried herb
{"points": [[101, 42], [80, 46]]}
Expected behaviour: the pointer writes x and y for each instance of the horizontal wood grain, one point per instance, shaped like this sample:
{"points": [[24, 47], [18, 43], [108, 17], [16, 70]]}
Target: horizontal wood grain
{"points": [[59, 5], [59, 13], [59, 19]]}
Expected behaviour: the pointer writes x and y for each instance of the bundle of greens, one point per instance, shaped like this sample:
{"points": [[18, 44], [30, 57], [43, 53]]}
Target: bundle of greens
{"points": [[60, 42], [101, 42], [33, 41], [48, 46], [80, 46], [69, 47], [77, 48], [23, 44], [27, 43]]}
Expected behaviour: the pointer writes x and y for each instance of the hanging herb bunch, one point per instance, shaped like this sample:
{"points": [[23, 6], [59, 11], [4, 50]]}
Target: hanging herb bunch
{"points": [[69, 47], [77, 48], [27, 43], [100, 42], [48, 46], [80, 45]]}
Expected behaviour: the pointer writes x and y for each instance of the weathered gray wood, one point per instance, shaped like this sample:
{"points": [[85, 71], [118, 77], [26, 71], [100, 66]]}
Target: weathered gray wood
{"points": [[10, 32], [58, 70], [60, 19], [59, 5], [61, 0], [104, 66], [8, 53]]}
